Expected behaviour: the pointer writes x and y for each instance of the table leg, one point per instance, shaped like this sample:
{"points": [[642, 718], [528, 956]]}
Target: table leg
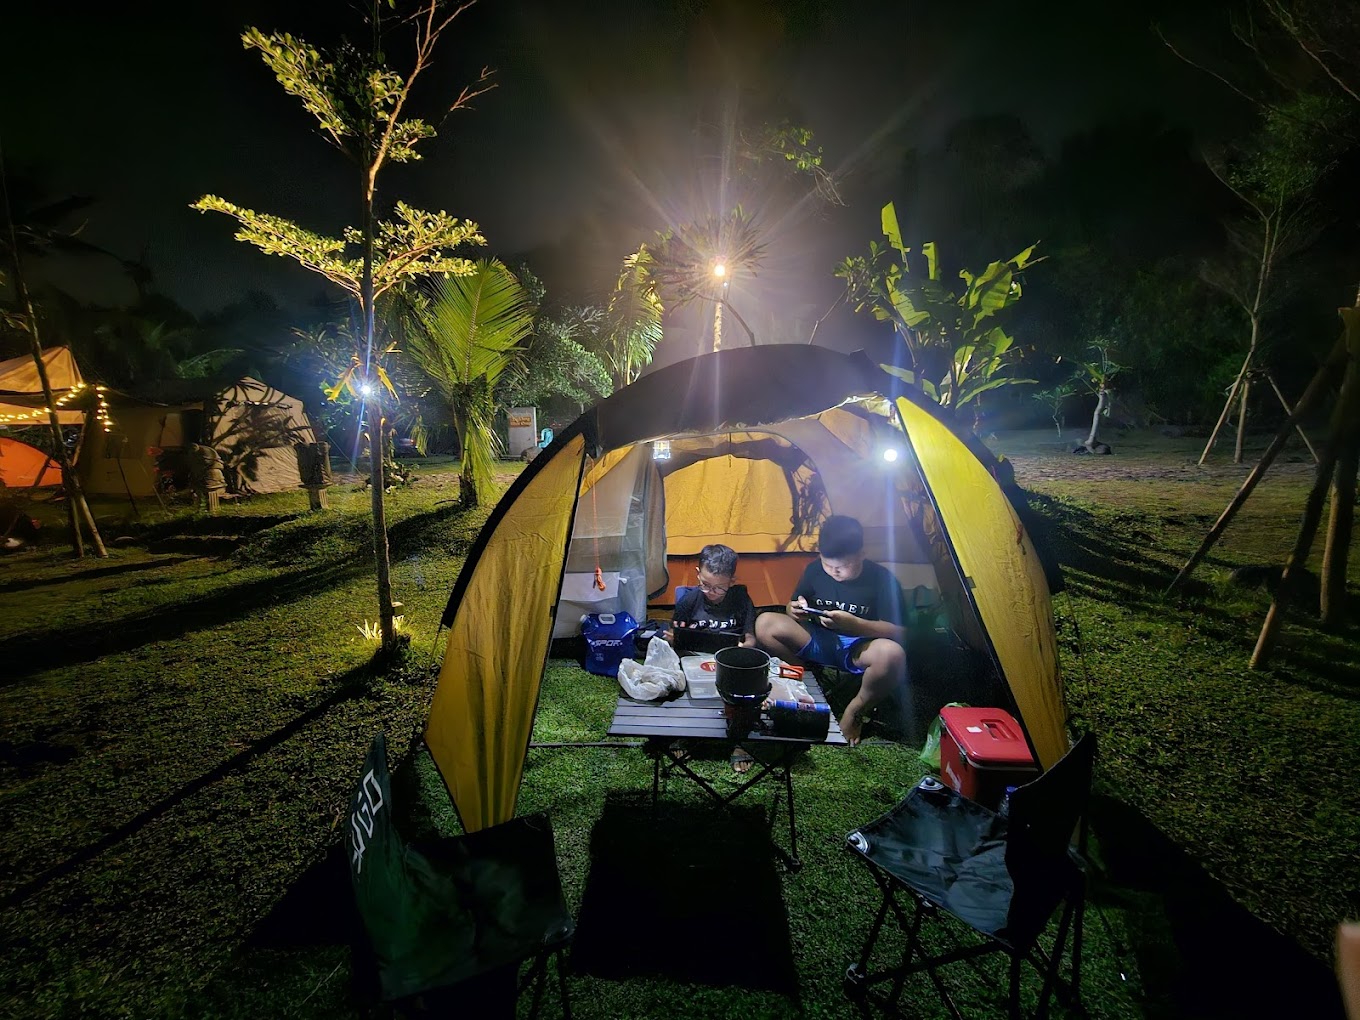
{"points": [[794, 862], [656, 780]]}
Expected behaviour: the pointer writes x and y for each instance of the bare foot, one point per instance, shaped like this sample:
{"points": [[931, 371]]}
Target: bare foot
{"points": [[851, 726], [741, 761]]}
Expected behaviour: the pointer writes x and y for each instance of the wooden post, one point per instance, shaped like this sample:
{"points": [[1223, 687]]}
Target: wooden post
{"points": [[1344, 414], [1242, 420], [1316, 388], [1290, 411]]}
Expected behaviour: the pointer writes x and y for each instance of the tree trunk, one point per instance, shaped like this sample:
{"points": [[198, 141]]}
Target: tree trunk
{"points": [[1101, 396], [1241, 420], [376, 427], [77, 509]]}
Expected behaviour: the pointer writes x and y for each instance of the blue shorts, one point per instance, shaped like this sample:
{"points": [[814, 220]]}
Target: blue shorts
{"points": [[832, 649]]}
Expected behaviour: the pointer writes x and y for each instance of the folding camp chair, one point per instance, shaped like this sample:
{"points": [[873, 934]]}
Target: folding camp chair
{"points": [[458, 915], [1003, 875]]}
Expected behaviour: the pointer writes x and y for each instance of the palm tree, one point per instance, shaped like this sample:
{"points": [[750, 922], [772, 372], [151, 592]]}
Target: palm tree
{"points": [[699, 260], [632, 327], [467, 334]]}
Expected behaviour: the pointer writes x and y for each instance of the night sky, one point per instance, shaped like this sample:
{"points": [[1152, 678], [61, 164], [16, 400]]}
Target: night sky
{"points": [[585, 147]]}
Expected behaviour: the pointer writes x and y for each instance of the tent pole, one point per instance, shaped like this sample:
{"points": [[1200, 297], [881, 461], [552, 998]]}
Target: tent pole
{"points": [[1311, 395]]}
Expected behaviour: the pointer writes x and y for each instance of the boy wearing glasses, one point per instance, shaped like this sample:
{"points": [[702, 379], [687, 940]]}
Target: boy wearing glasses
{"points": [[846, 613], [715, 603]]}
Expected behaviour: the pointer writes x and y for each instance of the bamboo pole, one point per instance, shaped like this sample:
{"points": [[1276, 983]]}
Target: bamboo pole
{"points": [[1314, 391], [1344, 414], [1242, 420], [1227, 410], [1290, 411], [1336, 550]]}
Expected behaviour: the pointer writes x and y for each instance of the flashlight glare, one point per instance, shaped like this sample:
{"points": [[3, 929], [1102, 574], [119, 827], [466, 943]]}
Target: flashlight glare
{"points": [[890, 454]]}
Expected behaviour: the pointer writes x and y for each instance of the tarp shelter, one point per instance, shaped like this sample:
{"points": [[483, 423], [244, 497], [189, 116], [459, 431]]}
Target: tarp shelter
{"points": [[252, 426], [752, 447], [21, 392], [25, 467]]}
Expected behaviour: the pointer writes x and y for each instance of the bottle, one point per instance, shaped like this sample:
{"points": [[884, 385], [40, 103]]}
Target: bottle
{"points": [[1005, 809]]}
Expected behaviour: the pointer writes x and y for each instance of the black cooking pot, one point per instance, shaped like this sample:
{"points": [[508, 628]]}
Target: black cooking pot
{"points": [[743, 673]]}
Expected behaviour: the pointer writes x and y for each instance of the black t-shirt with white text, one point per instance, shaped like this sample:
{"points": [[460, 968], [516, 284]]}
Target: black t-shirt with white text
{"points": [[735, 612], [874, 595]]}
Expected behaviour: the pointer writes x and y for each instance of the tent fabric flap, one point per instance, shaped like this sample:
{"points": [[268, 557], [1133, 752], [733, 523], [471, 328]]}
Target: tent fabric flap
{"points": [[26, 467], [483, 708], [1003, 572], [20, 375]]}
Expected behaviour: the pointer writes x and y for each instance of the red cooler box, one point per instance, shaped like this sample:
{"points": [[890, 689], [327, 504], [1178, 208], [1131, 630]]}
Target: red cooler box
{"points": [[983, 751]]}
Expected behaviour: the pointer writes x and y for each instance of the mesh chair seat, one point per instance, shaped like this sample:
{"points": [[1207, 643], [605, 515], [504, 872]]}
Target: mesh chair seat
{"points": [[1003, 876], [952, 852]]}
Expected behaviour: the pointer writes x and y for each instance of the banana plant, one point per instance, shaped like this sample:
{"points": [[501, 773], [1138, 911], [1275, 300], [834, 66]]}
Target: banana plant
{"points": [[940, 328]]}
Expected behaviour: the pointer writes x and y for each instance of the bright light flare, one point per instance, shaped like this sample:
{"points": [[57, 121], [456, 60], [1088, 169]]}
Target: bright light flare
{"points": [[890, 454], [720, 269], [367, 389]]}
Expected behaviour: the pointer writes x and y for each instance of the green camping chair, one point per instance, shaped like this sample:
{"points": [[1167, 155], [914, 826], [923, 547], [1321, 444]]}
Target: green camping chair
{"points": [[456, 914]]}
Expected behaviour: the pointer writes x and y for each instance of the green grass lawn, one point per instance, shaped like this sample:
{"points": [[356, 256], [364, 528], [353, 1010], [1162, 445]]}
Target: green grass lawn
{"points": [[180, 725]]}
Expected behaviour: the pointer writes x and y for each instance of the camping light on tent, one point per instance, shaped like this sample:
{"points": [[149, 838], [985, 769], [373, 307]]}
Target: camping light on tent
{"points": [[890, 454], [661, 449]]}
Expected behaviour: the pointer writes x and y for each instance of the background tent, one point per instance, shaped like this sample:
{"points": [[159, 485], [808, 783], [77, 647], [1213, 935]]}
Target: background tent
{"points": [[23, 466], [752, 447], [252, 426], [21, 392]]}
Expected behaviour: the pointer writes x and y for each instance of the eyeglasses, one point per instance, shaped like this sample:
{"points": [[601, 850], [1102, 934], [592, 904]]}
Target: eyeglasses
{"points": [[713, 589]]}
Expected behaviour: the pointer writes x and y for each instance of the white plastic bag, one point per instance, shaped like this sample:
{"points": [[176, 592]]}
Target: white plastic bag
{"points": [[655, 678]]}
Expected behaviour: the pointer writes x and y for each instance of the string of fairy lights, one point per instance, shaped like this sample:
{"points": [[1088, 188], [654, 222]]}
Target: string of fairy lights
{"points": [[39, 414]]}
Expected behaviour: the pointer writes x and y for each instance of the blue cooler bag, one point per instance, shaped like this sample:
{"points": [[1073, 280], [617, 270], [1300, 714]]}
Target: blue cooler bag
{"points": [[609, 640]]}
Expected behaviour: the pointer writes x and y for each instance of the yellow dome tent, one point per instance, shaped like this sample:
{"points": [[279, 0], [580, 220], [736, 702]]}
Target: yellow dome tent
{"points": [[752, 447]]}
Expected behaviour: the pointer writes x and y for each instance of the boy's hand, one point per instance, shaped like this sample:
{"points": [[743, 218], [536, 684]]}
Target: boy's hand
{"points": [[668, 635], [796, 608], [842, 622]]}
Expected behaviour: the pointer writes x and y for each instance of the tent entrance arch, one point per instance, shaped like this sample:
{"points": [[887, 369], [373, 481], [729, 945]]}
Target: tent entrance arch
{"points": [[600, 496], [649, 508]]}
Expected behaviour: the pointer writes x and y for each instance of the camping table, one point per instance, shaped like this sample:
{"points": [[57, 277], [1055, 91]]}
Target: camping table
{"points": [[702, 720]]}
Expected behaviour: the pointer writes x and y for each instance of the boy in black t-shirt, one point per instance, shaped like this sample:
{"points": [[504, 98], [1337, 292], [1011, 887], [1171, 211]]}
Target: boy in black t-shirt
{"points": [[715, 603], [846, 612]]}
